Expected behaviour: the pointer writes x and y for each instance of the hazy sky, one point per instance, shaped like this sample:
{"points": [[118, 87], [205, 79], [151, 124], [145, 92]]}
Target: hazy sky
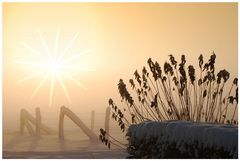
{"points": [[122, 37]]}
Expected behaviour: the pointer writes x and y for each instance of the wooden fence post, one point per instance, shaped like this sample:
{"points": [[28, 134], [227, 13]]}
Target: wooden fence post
{"points": [[38, 122], [107, 119], [60, 125], [22, 123], [92, 119]]}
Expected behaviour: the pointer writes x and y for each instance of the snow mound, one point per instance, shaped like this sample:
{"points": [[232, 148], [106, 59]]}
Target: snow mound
{"points": [[194, 140]]}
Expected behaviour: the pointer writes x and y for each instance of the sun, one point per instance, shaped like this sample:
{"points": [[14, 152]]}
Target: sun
{"points": [[55, 65]]}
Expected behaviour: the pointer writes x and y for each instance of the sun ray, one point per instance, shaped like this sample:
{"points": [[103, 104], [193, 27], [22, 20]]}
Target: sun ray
{"points": [[79, 68], [55, 65], [77, 55], [29, 77], [56, 43], [33, 51], [74, 80], [30, 63], [64, 89], [44, 43], [39, 86], [68, 46], [51, 90]]}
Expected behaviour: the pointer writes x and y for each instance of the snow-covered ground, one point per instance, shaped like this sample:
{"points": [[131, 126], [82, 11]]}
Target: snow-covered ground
{"points": [[182, 133], [75, 145]]}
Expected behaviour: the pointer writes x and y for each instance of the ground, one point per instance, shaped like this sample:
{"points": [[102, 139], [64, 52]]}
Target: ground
{"points": [[49, 146]]}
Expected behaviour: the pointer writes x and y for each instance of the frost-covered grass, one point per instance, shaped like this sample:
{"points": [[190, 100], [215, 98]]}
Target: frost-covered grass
{"points": [[182, 139], [177, 91]]}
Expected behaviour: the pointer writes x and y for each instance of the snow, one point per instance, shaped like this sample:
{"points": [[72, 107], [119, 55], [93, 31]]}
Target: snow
{"points": [[181, 132], [76, 145]]}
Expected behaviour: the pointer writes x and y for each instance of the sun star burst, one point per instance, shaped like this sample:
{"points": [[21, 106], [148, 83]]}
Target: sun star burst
{"points": [[55, 65]]}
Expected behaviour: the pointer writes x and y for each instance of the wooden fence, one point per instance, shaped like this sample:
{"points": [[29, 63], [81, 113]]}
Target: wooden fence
{"points": [[27, 120]]}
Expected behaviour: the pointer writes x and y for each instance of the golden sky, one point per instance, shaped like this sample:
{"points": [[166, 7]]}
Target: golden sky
{"points": [[122, 36]]}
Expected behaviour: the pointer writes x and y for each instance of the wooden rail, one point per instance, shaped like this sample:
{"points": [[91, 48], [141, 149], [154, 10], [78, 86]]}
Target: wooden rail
{"points": [[26, 118], [65, 111]]}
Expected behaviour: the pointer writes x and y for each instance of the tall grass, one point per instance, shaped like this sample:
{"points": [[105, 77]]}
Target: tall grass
{"points": [[176, 92]]}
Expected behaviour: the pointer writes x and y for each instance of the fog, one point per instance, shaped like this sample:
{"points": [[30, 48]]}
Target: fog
{"points": [[122, 35]]}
